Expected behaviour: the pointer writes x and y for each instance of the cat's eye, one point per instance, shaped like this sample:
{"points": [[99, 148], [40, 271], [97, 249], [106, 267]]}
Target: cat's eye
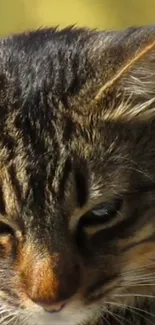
{"points": [[101, 214], [5, 229]]}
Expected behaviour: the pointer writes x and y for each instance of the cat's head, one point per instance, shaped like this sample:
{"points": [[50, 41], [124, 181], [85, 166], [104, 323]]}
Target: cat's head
{"points": [[77, 173]]}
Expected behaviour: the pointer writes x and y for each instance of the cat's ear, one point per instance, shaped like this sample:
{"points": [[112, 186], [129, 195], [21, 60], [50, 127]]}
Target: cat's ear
{"points": [[129, 95]]}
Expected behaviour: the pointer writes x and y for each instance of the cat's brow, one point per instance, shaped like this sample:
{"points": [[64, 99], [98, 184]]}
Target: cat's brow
{"points": [[13, 223]]}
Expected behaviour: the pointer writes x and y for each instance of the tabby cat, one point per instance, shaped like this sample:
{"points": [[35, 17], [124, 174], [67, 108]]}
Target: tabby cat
{"points": [[77, 177]]}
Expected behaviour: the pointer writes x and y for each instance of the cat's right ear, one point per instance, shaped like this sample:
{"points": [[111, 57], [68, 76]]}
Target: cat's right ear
{"points": [[131, 90], [129, 95]]}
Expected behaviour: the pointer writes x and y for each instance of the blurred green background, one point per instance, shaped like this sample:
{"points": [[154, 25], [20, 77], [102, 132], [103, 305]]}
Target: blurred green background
{"points": [[19, 15]]}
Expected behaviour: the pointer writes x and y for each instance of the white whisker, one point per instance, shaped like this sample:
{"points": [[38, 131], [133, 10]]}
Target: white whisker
{"points": [[3, 320], [131, 307], [140, 284], [123, 318], [134, 295], [114, 316], [103, 317]]}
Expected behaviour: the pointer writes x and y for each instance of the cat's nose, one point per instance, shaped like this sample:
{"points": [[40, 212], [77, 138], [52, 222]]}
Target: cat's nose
{"points": [[52, 308], [49, 280]]}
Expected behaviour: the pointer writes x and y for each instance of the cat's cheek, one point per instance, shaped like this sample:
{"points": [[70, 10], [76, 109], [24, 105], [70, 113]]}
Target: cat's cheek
{"points": [[9, 253], [138, 266]]}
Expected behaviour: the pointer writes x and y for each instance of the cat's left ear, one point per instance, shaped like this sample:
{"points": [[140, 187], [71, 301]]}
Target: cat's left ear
{"points": [[130, 94]]}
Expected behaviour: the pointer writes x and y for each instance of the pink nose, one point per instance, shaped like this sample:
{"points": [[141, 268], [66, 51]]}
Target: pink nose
{"points": [[53, 308]]}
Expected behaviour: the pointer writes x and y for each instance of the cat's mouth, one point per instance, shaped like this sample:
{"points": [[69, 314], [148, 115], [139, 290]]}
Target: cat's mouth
{"points": [[75, 311], [80, 307]]}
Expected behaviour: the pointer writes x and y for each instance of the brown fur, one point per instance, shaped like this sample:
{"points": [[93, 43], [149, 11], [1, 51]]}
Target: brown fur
{"points": [[77, 121]]}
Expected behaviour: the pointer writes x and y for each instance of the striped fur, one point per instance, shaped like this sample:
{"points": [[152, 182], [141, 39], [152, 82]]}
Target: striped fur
{"points": [[77, 130]]}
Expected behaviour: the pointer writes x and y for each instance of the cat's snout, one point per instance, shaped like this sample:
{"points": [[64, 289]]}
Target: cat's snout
{"points": [[48, 280], [53, 308]]}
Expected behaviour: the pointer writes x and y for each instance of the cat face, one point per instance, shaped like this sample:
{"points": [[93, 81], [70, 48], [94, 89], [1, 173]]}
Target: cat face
{"points": [[77, 174]]}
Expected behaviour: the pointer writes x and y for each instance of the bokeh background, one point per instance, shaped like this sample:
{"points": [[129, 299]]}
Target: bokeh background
{"points": [[19, 15]]}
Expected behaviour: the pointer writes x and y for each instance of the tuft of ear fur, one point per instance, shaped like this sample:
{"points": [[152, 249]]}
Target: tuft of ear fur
{"points": [[132, 90], [128, 111]]}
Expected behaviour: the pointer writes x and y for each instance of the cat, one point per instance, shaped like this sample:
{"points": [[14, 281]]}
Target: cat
{"points": [[77, 177]]}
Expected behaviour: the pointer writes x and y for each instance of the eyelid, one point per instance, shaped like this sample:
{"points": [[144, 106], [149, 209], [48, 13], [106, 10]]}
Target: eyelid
{"points": [[84, 213], [92, 224], [109, 214], [12, 224]]}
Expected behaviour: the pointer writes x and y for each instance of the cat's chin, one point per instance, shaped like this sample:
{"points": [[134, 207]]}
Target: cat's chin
{"points": [[70, 315], [73, 318]]}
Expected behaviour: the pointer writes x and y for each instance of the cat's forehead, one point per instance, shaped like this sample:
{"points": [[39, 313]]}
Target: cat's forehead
{"points": [[63, 99]]}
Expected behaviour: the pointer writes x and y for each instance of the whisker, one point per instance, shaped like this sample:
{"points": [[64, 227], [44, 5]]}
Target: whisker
{"points": [[140, 276], [114, 316], [102, 316], [12, 319], [132, 307], [134, 295], [135, 278], [6, 317], [123, 318], [138, 280], [137, 269], [139, 284]]}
